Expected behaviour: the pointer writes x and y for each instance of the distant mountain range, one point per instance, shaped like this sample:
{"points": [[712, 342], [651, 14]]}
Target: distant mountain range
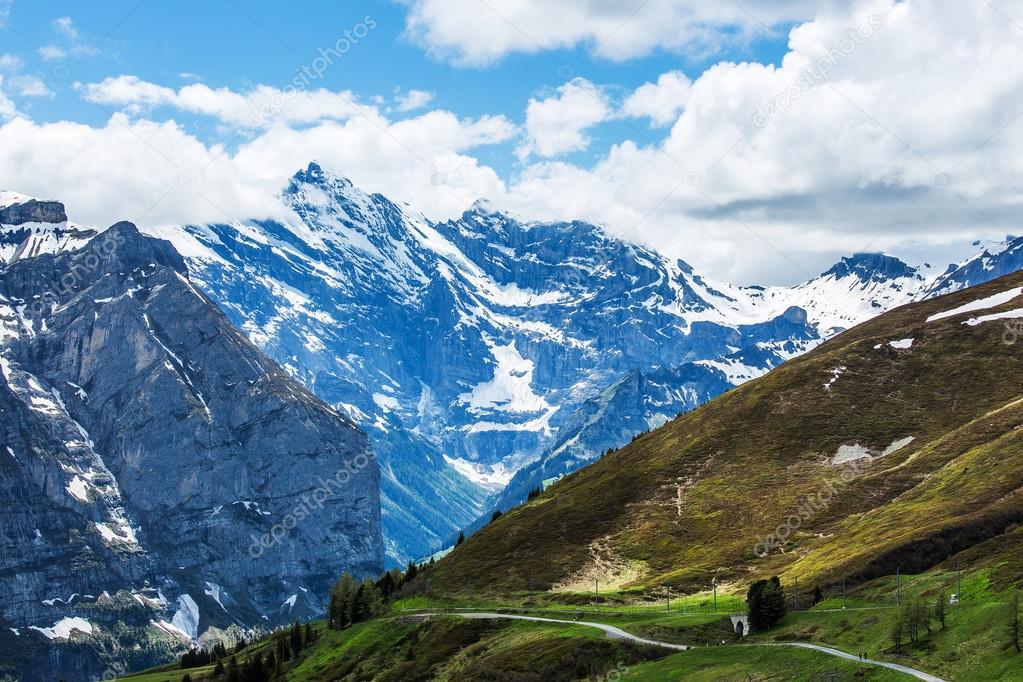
{"points": [[487, 356]]}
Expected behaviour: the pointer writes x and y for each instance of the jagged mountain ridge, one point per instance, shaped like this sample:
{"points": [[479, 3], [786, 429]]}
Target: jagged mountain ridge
{"points": [[994, 260], [145, 447], [464, 347], [472, 339]]}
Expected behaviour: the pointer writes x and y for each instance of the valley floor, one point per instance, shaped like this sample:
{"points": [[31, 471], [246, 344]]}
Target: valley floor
{"points": [[417, 644]]}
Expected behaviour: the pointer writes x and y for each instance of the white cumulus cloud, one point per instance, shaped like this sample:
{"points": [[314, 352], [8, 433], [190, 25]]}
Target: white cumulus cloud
{"points": [[7, 108], [256, 108], [157, 173], [479, 33], [412, 100], [889, 126], [662, 101], [558, 124]]}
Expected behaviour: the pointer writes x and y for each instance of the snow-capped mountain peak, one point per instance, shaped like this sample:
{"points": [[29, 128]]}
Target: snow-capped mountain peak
{"points": [[871, 267], [996, 259]]}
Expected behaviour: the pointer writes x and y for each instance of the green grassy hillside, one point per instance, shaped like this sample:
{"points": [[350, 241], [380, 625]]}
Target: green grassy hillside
{"points": [[689, 502]]}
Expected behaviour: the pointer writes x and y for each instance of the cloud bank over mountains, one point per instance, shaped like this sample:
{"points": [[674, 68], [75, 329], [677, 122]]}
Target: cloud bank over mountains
{"points": [[887, 126]]}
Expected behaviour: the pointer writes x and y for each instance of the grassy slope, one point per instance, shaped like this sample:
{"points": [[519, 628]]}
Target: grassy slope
{"points": [[689, 500], [452, 649], [971, 648], [455, 650]]}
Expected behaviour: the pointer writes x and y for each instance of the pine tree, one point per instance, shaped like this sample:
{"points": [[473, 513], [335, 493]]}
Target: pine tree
{"points": [[256, 671], [219, 669], [283, 650], [386, 585], [940, 609], [461, 538], [765, 600], [915, 619], [340, 601], [186, 678], [818, 595], [309, 634], [296, 639], [233, 674], [374, 602]]}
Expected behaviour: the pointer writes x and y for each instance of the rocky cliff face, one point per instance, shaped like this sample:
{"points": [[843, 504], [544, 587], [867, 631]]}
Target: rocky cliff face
{"points": [[29, 227], [33, 211], [157, 471]]}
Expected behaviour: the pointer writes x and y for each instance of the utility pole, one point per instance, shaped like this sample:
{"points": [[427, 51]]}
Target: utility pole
{"points": [[843, 592], [959, 584], [596, 595], [669, 598], [795, 596], [898, 586], [469, 590], [715, 594]]}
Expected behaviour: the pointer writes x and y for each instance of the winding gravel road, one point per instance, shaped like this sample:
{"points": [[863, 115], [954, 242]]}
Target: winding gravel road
{"points": [[618, 633]]}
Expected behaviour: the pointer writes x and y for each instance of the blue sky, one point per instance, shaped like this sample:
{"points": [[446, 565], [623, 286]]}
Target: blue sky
{"points": [[759, 141], [239, 44]]}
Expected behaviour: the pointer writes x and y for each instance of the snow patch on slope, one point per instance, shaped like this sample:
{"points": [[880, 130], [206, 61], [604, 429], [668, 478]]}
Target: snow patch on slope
{"points": [[980, 304], [492, 477], [511, 388], [63, 628]]}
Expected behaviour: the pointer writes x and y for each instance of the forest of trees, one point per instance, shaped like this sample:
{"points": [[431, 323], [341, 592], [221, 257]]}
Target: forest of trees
{"points": [[915, 620], [352, 601], [285, 644]]}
